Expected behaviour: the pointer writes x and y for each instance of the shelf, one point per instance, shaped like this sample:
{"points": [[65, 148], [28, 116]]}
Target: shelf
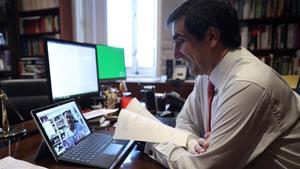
{"points": [[32, 56], [6, 18], [264, 21], [40, 12], [276, 52], [4, 47], [36, 35], [6, 73], [30, 47]]}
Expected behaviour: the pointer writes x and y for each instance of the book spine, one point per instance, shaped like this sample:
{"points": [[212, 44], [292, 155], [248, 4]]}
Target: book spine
{"points": [[258, 8], [244, 35]]}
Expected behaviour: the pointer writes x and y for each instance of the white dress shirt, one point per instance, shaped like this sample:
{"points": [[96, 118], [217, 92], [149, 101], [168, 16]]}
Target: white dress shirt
{"points": [[255, 119]]}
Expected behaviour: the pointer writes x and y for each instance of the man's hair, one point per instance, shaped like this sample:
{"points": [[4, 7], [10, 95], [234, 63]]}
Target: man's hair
{"points": [[201, 14]]}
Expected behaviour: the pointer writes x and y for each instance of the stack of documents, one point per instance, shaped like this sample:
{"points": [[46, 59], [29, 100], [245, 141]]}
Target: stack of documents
{"points": [[98, 112], [10, 163], [137, 123]]}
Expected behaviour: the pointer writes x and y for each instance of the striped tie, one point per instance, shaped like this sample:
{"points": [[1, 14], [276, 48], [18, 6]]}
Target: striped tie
{"points": [[210, 95]]}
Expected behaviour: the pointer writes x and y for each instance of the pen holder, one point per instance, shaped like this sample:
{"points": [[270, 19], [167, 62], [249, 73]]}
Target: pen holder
{"points": [[149, 98]]}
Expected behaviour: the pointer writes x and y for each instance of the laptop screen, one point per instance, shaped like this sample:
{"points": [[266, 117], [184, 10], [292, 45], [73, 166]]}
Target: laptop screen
{"points": [[63, 126]]}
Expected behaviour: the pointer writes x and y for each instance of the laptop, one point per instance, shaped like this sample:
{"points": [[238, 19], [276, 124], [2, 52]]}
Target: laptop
{"points": [[69, 138]]}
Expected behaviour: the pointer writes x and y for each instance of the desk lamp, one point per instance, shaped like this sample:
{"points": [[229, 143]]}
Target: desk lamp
{"points": [[7, 131]]}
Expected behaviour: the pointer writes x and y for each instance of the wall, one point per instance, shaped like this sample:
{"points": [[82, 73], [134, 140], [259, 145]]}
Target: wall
{"points": [[166, 46], [89, 23]]}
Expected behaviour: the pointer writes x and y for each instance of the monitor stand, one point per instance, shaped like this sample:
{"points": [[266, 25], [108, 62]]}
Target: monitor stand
{"points": [[43, 152]]}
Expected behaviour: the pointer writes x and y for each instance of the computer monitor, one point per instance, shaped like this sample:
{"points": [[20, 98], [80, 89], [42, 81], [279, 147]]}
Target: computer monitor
{"points": [[71, 69], [111, 63]]}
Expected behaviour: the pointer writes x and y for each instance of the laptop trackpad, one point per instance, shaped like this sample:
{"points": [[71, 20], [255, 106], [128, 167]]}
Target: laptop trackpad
{"points": [[112, 149]]}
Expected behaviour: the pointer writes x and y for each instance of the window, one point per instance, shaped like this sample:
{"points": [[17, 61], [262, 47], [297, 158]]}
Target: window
{"points": [[131, 24]]}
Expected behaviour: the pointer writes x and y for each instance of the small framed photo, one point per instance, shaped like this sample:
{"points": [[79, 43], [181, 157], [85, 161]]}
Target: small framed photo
{"points": [[179, 72]]}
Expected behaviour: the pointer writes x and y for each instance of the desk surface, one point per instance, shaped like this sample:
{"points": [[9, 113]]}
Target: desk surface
{"points": [[25, 148]]}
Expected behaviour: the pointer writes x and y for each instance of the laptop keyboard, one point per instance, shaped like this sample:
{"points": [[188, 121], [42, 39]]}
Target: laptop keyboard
{"points": [[170, 121], [88, 148]]}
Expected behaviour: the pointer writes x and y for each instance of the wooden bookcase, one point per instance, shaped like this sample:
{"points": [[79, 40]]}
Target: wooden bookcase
{"points": [[38, 19], [271, 31], [183, 88], [8, 39]]}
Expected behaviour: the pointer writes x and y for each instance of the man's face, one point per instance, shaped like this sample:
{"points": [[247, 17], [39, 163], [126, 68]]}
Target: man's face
{"points": [[193, 52], [70, 119]]}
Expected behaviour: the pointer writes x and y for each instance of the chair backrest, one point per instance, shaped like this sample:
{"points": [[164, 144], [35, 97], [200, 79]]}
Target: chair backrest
{"points": [[25, 95], [298, 86]]}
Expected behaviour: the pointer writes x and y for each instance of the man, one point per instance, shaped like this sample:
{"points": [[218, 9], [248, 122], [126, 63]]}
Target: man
{"points": [[75, 129], [252, 117]]}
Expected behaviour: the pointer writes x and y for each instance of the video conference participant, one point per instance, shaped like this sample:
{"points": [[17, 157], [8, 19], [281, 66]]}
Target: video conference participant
{"points": [[75, 129], [243, 113]]}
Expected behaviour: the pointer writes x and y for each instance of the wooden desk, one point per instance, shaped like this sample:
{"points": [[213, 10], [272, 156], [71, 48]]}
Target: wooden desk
{"points": [[25, 148]]}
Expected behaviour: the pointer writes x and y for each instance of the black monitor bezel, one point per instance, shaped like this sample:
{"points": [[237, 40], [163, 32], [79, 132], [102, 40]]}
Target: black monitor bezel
{"points": [[42, 130], [76, 96], [114, 78]]}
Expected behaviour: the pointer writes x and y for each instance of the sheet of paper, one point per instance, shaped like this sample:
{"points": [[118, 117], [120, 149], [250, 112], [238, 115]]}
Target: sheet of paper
{"points": [[132, 126], [10, 162], [98, 112], [136, 107]]}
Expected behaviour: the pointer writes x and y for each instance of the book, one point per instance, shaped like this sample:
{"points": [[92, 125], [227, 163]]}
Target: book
{"points": [[263, 8], [290, 42], [252, 9], [280, 8], [264, 36], [285, 67], [296, 64], [258, 6], [239, 6], [29, 5], [246, 9], [254, 31], [244, 35]]}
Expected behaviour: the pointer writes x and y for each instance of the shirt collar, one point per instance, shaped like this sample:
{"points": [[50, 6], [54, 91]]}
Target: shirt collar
{"points": [[222, 69]]}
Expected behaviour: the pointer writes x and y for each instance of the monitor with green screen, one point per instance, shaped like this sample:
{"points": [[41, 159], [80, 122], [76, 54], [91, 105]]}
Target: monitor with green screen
{"points": [[111, 63]]}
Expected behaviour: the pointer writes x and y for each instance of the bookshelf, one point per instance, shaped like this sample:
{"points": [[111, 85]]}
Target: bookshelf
{"points": [[7, 39], [38, 19], [271, 30]]}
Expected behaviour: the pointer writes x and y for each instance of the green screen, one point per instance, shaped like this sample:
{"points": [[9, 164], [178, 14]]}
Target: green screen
{"points": [[111, 62]]}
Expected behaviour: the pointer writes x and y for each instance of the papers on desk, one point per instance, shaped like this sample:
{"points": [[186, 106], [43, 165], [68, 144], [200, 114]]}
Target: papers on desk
{"points": [[10, 162], [98, 112], [137, 123]]}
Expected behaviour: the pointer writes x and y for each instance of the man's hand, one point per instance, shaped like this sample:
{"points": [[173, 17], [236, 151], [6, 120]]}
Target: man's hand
{"points": [[198, 145], [203, 144]]}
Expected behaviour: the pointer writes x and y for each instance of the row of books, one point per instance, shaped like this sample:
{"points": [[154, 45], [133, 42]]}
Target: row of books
{"points": [[39, 24], [3, 34], [5, 60], [250, 9], [284, 65], [32, 67], [267, 37], [34, 47], [6, 7], [28, 5]]}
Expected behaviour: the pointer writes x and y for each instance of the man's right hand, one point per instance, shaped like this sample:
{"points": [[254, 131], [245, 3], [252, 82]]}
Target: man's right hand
{"points": [[198, 145], [203, 144]]}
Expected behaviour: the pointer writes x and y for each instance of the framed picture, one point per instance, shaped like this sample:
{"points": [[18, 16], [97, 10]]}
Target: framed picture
{"points": [[179, 72]]}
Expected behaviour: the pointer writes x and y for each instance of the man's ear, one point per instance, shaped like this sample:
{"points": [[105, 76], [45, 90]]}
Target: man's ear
{"points": [[213, 36]]}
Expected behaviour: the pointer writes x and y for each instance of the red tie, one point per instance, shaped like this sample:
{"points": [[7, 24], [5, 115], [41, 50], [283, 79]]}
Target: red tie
{"points": [[210, 95]]}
